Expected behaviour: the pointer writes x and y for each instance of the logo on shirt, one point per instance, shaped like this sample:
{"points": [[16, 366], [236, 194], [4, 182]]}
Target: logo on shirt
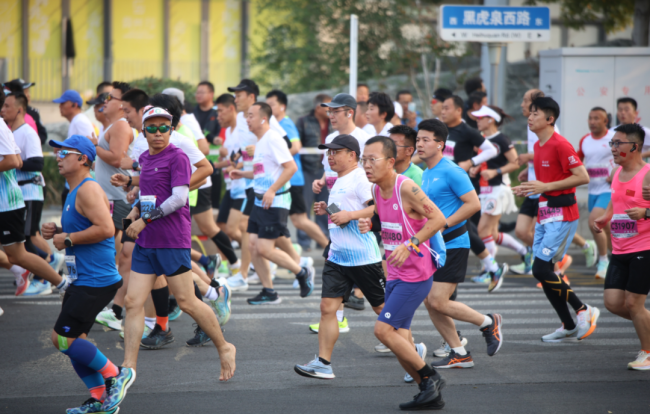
{"points": [[630, 193], [546, 251], [67, 208], [639, 257], [387, 315], [66, 328], [6, 233], [545, 164], [435, 179], [573, 160], [395, 207]]}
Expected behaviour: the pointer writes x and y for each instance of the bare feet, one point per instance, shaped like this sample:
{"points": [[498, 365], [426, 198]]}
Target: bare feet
{"points": [[227, 357]]}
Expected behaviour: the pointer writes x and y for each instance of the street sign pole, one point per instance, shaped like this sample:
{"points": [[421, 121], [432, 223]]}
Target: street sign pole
{"points": [[354, 45], [494, 51]]}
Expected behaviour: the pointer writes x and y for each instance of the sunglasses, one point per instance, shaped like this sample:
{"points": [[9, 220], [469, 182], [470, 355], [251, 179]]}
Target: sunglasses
{"points": [[152, 129], [64, 153], [111, 97]]}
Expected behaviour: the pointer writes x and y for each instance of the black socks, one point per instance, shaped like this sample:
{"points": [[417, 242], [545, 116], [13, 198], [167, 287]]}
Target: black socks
{"points": [[197, 292], [160, 299], [426, 372], [117, 310], [223, 244], [324, 361]]}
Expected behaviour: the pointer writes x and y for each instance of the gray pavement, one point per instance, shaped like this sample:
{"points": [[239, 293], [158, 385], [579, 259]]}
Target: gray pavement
{"points": [[526, 376]]}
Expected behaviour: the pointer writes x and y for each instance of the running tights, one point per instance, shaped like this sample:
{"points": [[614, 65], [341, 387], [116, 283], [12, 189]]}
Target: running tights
{"points": [[160, 299], [557, 292], [475, 242]]}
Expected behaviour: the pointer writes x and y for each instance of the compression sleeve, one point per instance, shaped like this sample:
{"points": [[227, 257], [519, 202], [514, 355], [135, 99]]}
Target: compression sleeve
{"points": [[176, 201], [488, 151], [33, 164]]}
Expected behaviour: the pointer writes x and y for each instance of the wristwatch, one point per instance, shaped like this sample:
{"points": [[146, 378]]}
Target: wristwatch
{"points": [[446, 226], [415, 241], [146, 217], [67, 241], [647, 213], [135, 165]]}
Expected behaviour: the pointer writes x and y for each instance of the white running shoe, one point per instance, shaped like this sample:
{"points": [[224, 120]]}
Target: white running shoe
{"points": [[561, 335], [642, 362], [253, 279], [445, 349], [107, 318], [306, 261], [382, 349], [587, 321], [422, 351], [235, 244], [274, 268], [602, 269], [519, 269], [591, 253], [237, 283], [1, 312], [57, 261]]}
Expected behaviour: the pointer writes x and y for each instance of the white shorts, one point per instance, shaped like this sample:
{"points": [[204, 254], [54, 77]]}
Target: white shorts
{"points": [[497, 200]]}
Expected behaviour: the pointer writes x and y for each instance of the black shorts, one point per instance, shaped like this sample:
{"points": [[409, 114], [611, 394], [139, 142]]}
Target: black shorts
{"points": [[268, 224], [338, 281], [33, 217], [629, 272], [126, 238], [12, 226], [529, 207], [249, 202], [80, 307], [455, 267], [203, 201], [120, 211], [298, 205], [228, 203]]}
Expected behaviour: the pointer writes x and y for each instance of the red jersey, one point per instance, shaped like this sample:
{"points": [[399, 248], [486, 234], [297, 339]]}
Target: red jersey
{"points": [[553, 162]]}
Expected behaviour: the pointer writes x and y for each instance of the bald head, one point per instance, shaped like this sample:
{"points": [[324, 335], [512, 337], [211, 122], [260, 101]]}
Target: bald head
{"points": [[529, 96]]}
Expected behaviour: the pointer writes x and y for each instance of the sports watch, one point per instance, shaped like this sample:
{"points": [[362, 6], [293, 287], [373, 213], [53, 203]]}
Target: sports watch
{"points": [[135, 165], [146, 217], [67, 241], [415, 241]]}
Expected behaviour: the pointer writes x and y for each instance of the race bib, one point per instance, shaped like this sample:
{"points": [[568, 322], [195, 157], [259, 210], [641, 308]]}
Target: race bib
{"points": [[226, 178], [448, 152], [598, 171], [111, 206], [148, 204], [391, 235], [71, 265], [258, 169], [623, 227], [549, 214], [330, 179], [486, 190], [248, 161]]}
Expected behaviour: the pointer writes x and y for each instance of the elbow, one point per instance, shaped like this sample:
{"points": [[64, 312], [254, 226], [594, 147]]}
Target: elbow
{"points": [[117, 163], [476, 206], [108, 231]]}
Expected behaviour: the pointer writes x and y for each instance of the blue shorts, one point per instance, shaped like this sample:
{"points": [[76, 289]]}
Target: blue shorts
{"points": [[401, 301], [159, 261], [552, 240], [599, 200]]}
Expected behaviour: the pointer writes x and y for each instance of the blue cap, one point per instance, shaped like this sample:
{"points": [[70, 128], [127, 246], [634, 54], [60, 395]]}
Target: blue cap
{"points": [[78, 142], [70, 96]]}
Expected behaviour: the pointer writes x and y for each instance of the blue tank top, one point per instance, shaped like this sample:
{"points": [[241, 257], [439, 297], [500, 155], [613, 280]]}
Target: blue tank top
{"points": [[92, 264]]}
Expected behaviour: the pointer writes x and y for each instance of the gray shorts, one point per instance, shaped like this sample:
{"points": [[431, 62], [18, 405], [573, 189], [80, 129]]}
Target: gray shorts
{"points": [[120, 211]]}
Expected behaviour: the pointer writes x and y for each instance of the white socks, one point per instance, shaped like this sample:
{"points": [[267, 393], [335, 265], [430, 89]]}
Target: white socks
{"points": [[490, 264], [17, 270], [490, 245], [486, 322], [603, 258], [339, 315], [460, 350], [508, 241], [150, 322], [211, 294]]}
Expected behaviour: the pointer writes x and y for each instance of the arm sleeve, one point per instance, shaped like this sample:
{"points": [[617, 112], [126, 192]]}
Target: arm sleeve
{"points": [[176, 201], [33, 164], [488, 151]]}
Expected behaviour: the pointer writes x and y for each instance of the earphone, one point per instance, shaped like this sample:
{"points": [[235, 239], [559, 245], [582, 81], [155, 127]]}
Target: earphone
{"points": [[438, 146], [633, 148], [263, 120], [349, 115]]}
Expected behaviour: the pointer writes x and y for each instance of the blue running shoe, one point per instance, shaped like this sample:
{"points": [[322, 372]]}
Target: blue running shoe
{"points": [[38, 288], [221, 305], [422, 351], [214, 261], [306, 282], [174, 310], [528, 260], [315, 369], [483, 278], [497, 278], [200, 338], [116, 388], [57, 261], [91, 405]]}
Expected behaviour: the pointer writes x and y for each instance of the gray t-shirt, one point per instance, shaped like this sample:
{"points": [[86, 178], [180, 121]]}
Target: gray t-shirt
{"points": [[104, 171]]}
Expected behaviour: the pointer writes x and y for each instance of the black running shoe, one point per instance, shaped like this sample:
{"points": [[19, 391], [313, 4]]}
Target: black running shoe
{"points": [[157, 338], [355, 303], [200, 337], [492, 334], [306, 282], [429, 397], [265, 298], [453, 360]]}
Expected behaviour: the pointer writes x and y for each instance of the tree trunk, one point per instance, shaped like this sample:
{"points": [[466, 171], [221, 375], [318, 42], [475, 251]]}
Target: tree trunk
{"points": [[641, 29]]}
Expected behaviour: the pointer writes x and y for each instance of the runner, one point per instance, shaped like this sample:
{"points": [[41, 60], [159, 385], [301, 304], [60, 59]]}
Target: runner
{"points": [[208, 117], [449, 187], [407, 216], [32, 114], [559, 171], [352, 258], [162, 210], [596, 155], [273, 168], [87, 237], [70, 104], [380, 111], [627, 283], [405, 137], [627, 112]]}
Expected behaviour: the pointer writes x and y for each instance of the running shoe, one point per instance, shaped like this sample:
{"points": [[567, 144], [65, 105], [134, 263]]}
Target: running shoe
{"points": [[493, 335], [355, 303], [422, 351], [343, 326], [22, 282], [232, 268], [254, 279], [214, 261], [57, 261], [587, 321], [445, 349], [315, 369], [484, 278], [200, 338], [107, 318], [235, 244], [274, 269], [306, 282], [175, 311], [382, 349], [157, 338], [528, 258], [297, 248], [145, 333], [38, 288], [453, 360], [561, 335], [237, 283], [1, 312], [91, 405], [497, 278], [221, 305], [602, 269], [429, 397], [642, 362], [265, 298], [591, 253], [116, 388]]}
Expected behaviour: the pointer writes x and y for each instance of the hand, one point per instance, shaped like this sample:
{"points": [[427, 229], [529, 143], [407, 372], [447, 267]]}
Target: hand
{"points": [[93, 139], [250, 150], [217, 141], [236, 174], [365, 224], [608, 180], [59, 240], [465, 165], [341, 217], [48, 230], [132, 195], [518, 191], [267, 200], [319, 208], [600, 223], [646, 192], [474, 170], [523, 175], [636, 213], [488, 174], [399, 256], [134, 214], [523, 159], [317, 186], [119, 180], [533, 187], [223, 152], [135, 228]]}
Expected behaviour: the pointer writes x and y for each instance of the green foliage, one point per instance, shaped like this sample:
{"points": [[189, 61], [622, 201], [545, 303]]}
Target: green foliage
{"points": [[54, 182], [614, 14], [153, 85]]}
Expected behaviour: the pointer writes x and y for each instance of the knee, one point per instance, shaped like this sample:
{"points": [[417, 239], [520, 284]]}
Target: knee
{"points": [[614, 306], [521, 232], [188, 304], [133, 302], [631, 305], [382, 331], [328, 309], [436, 304], [296, 220]]}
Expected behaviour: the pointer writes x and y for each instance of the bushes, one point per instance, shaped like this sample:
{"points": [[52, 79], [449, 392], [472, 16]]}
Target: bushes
{"points": [[153, 85]]}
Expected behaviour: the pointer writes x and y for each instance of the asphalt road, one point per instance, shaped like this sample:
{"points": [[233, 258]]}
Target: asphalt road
{"points": [[526, 376]]}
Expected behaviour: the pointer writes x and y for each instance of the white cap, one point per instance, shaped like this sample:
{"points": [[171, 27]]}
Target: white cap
{"points": [[487, 111], [175, 92], [398, 109], [155, 112]]}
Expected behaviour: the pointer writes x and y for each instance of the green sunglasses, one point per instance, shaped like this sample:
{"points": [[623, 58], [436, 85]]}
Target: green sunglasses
{"points": [[162, 128]]}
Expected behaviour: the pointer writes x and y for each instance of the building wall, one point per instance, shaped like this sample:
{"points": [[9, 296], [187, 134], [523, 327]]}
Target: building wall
{"points": [[225, 44], [10, 37]]}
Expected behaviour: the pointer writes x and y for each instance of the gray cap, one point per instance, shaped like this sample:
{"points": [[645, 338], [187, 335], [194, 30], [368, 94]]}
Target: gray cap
{"points": [[175, 92], [340, 100]]}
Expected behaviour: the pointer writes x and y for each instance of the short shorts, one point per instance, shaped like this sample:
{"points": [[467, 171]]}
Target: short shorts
{"points": [[81, 305], [33, 216], [599, 200], [338, 281], [455, 267], [552, 239], [249, 202], [497, 200], [298, 205], [268, 224], [12, 226], [203, 201], [160, 261], [402, 300], [629, 272], [120, 211], [224, 208], [529, 207]]}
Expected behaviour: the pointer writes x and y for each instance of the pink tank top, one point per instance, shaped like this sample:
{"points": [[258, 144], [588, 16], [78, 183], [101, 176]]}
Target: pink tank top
{"points": [[395, 231], [629, 236]]}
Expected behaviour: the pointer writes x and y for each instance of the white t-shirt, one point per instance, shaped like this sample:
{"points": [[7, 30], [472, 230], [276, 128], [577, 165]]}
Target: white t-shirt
{"points": [[370, 130], [331, 176], [384, 131], [271, 152], [30, 146], [349, 247], [189, 120], [598, 161], [11, 198], [81, 125], [646, 141]]}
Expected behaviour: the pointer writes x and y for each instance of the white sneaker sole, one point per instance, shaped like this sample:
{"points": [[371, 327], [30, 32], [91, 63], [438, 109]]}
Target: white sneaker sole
{"points": [[109, 324], [308, 374], [457, 365], [238, 288], [556, 341]]}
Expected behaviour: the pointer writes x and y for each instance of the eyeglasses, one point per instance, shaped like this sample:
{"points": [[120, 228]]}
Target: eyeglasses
{"points": [[616, 144], [332, 152], [370, 160], [111, 97], [152, 129], [64, 153], [403, 146], [330, 113]]}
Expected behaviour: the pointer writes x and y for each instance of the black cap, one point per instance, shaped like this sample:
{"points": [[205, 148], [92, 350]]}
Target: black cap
{"points": [[340, 100], [343, 141], [17, 84], [246, 85], [99, 99]]}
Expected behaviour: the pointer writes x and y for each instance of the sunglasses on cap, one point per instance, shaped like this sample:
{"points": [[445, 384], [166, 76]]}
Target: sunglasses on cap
{"points": [[152, 129]]}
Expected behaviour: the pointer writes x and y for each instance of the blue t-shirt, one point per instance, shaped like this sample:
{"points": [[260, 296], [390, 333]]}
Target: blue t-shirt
{"points": [[444, 184], [287, 124]]}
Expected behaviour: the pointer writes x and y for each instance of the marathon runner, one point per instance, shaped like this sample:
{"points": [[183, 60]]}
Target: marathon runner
{"points": [[627, 283], [627, 112], [87, 236], [559, 171], [380, 111], [405, 137]]}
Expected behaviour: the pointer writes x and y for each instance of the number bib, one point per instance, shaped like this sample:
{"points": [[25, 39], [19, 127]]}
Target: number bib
{"points": [[549, 214], [448, 152], [623, 227], [391, 235], [258, 169], [111, 206], [248, 161], [598, 171], [330, 179], [71, 265], [148, 204], [226, 178]]}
